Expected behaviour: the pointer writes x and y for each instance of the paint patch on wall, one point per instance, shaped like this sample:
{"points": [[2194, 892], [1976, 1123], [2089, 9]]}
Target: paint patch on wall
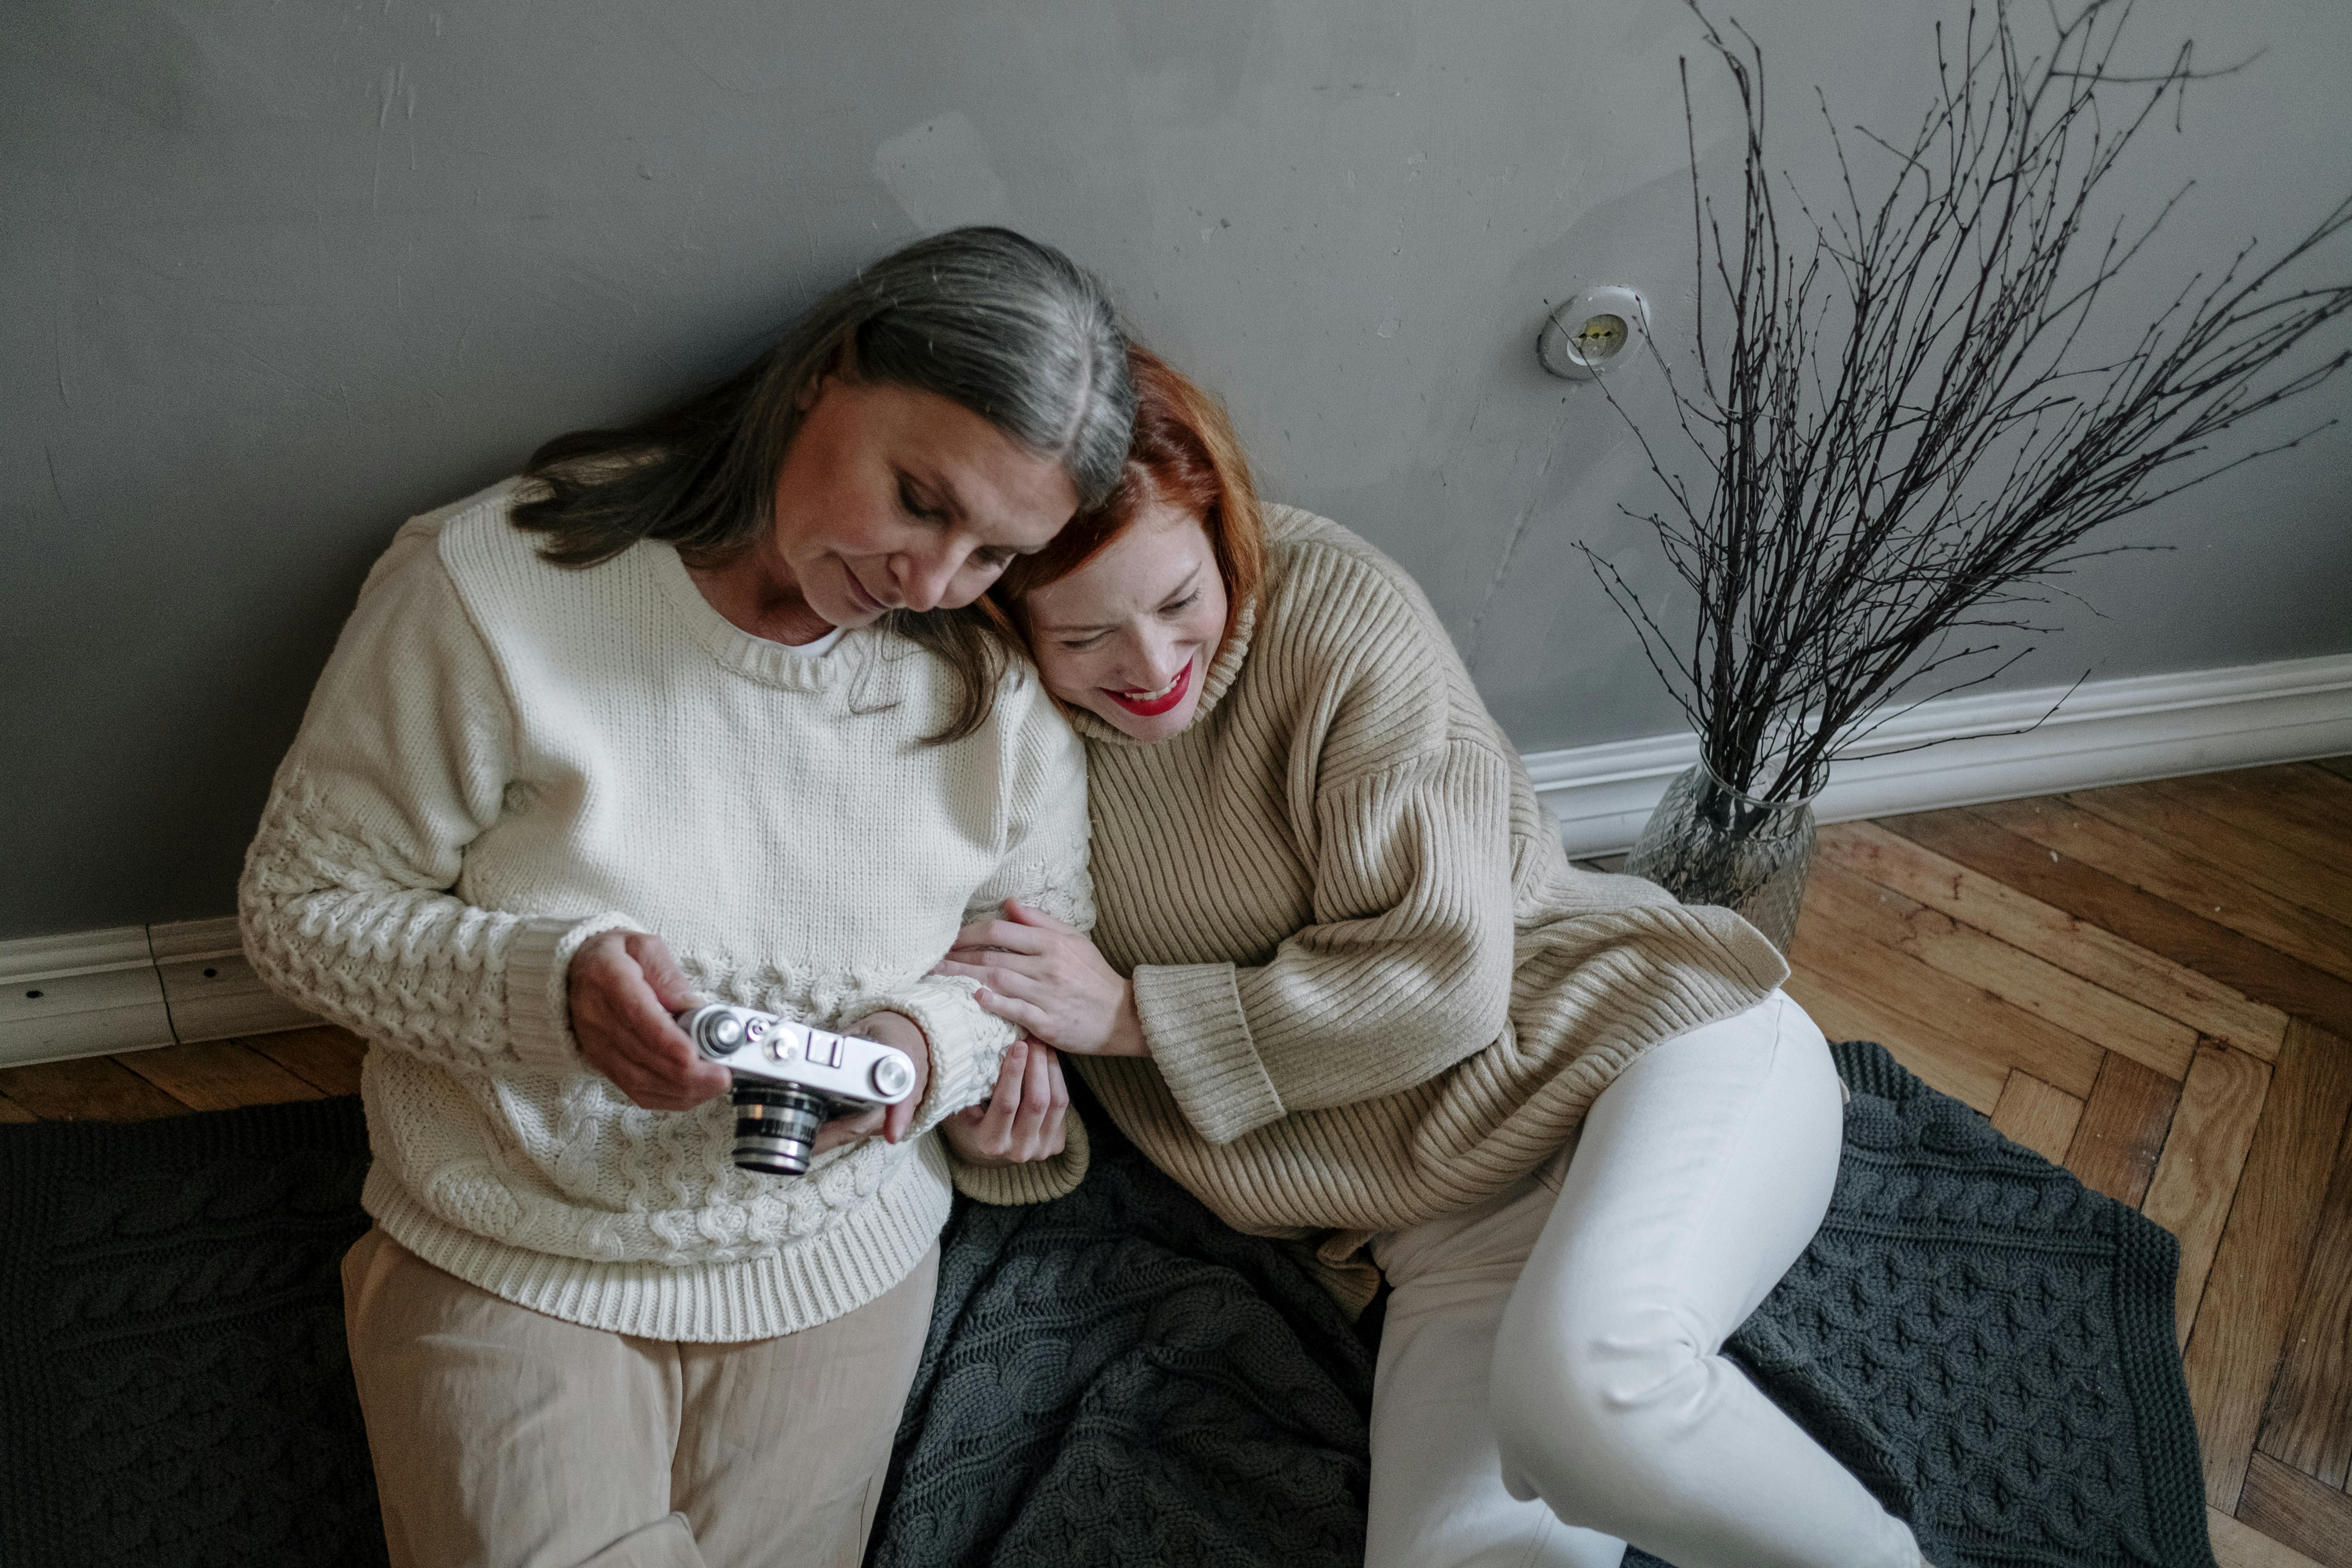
{"points": [[940, 175]]}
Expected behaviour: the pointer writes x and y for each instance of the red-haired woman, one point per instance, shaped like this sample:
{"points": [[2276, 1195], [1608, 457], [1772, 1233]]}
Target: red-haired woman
{"points": [[1346, 986]]}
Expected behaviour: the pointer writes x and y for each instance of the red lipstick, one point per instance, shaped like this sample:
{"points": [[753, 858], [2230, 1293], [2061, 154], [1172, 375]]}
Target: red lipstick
{"points": [[1157, 705]]}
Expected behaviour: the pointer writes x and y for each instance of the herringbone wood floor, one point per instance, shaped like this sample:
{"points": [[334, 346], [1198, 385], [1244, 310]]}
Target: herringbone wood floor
{"points": [[2151, 984]]}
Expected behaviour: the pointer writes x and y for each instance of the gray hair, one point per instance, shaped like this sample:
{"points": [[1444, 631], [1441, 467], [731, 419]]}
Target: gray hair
{"points": [[1012, 330]]}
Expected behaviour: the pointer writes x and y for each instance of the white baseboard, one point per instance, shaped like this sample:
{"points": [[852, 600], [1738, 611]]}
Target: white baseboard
{"points": [[2108, 732], [95, 993], [130, 988]]}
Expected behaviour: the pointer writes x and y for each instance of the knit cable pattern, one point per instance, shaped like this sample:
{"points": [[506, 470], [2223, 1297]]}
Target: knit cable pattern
{"points": [[504, 759], [1112, 1378]]}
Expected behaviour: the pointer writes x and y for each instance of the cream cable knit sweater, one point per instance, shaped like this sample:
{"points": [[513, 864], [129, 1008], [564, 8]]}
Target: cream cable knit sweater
{"points": [[503, 759], [1374, 989]]}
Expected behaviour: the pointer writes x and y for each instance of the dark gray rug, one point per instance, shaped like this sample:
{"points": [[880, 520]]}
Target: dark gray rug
{"points": [[1114, 1378], [173, 1388], [1118, 1378]]}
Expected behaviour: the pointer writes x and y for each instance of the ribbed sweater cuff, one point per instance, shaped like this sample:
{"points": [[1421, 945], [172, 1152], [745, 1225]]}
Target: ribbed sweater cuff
{"points": [[1037, 1182], [967, 1044], [1191, 1014], [539, 997]]}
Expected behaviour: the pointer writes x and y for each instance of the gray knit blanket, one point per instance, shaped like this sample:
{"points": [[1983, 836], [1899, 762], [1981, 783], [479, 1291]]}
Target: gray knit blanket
{"points": [[1118, 1378]]}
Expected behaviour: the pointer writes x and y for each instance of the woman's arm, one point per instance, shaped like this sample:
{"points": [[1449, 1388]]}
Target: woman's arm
{"points": [[403, 758], [1041, 837], [1043, 860], [1405, 971]]}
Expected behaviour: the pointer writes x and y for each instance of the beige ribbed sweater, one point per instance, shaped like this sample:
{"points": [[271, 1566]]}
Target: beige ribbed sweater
{"points": [[1374, 989], [503, 759]]}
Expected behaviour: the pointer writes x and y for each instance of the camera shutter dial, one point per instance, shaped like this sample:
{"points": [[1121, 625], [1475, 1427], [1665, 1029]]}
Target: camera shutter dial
{"points": [[893, 1075]]}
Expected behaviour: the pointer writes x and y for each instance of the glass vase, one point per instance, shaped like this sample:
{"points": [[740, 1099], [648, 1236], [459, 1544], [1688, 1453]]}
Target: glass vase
{"points": [[1708, 844]]}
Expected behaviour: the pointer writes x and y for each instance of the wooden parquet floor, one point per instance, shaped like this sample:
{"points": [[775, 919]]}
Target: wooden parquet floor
{"points": [[2152, 985]]}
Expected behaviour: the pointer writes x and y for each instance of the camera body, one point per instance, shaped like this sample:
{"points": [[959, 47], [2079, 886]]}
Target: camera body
{"points": [[791, 1079]]}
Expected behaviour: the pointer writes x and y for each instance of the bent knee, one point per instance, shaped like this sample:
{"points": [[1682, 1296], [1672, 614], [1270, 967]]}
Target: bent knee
{"points": [[1577, 1415]]}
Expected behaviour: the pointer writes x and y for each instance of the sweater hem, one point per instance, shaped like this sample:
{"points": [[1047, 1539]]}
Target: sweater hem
{"points": [[780, 1292]]}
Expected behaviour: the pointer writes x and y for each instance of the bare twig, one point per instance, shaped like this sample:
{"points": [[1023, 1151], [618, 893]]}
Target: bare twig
{"points": [[1898, 435]]}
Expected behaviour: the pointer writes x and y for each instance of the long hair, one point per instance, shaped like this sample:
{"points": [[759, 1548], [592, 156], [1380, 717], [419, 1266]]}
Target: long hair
{"points": [[1184, 454], [1009, 328]]}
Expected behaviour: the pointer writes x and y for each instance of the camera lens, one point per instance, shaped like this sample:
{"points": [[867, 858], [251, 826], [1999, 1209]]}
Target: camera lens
{"points": [[775, 1127]]}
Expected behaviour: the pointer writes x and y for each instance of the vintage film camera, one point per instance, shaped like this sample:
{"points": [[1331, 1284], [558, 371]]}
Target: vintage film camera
{"points": [[790, 1079]]}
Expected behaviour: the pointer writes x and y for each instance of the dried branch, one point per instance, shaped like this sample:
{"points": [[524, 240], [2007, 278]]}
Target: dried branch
{"points": [[1900, 435]]}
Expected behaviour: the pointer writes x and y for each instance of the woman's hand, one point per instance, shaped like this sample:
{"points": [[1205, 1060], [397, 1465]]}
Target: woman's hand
{"points": [[623, 986], [1048, 980], [891, 1120], [1023, 1120]]}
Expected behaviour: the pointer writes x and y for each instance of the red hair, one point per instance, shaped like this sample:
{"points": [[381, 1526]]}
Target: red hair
{"points": [[1183, 454]]}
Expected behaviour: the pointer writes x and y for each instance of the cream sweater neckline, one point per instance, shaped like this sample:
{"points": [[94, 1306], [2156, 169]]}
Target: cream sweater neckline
{"points": [[775, 664]]}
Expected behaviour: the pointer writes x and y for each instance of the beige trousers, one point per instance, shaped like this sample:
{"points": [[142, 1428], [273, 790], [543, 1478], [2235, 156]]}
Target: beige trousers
{"points": [[506, 1439]]}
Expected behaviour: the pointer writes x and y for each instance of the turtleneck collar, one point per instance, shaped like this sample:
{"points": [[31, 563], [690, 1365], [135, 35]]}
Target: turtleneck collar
{"points": [[1223, 671]]}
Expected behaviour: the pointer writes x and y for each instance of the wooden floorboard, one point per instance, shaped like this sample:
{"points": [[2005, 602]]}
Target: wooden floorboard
{"points": [[2067, 1001], [326, 1057], [2122, 1132], [2298, 1512], [2140, 918], [2314, 795], [90, 1088], [2032, 1114], [2074, 945], [1943, 1058], [2222, 895], [2294, 861], [1838, 939], [2197, 1176], [219, 1074], [2257, 1275], [2059, 964], [2240, 1546], [2307, 1424]]}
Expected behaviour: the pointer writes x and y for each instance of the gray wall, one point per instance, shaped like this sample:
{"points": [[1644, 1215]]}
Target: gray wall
{"points": [[278, 275]]}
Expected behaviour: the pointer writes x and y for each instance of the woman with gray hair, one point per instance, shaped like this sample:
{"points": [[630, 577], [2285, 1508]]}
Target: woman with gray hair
{"points": [[691, 711]]}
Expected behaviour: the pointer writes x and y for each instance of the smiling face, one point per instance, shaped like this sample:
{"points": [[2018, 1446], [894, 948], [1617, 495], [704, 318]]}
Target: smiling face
{"points": [[893, 498], [1130, 634]]}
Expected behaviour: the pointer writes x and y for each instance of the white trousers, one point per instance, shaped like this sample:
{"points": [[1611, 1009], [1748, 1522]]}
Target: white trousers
{"points": [[1550, 1382]]}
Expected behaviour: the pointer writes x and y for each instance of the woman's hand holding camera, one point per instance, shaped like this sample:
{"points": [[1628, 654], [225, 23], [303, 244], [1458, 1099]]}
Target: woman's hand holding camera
{"points": [[1023, 1120], [891, 1120], [623, 988], [1047, 979]]}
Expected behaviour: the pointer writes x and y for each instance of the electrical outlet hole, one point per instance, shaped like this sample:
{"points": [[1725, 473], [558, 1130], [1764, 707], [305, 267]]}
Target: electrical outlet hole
{"points": [[211, 974], [32, 995]]}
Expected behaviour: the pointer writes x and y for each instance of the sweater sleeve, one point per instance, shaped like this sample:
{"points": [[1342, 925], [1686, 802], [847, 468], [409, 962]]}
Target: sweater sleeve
{"points": [[1042, 860], [1037, 1182], [345, 906], [1404, 969]]}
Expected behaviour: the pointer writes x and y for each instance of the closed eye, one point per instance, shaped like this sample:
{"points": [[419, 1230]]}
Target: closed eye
{"points": [[1183, 604], [914, 503]]}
